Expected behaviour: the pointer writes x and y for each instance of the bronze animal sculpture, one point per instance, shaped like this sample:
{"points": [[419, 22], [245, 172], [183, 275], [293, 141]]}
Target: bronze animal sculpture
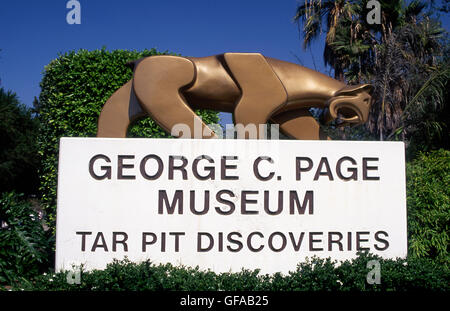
{"points": [[256, 89]]}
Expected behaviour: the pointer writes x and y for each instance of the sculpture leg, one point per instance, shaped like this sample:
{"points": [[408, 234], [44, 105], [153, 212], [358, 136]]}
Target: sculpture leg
{"points": [[262, 91], [119, 111], [158, 82], [299, 124]]}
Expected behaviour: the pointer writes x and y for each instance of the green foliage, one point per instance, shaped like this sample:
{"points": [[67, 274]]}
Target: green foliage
{"points": [[428, 193], [313, 275], [405, 58], [426, 116], [356, 132], [18, 149], [24, 245], [75, 87]]}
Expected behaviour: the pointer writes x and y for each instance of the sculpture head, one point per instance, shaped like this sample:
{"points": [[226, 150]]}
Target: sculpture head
{"points": [[349, 105]]}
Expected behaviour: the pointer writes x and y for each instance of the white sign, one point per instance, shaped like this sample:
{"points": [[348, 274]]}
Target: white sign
{"points": [[228, 204]]}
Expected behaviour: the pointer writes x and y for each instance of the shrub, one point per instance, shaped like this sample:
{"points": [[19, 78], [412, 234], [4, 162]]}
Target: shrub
{"points": [[18, 149], [313, 275], [428, 180], [74, 88], [24, 245]]}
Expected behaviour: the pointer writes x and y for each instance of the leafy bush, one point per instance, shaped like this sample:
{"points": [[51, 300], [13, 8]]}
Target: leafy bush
{"points": [[75, 87], [18, 149], [313, 275], [24, 245], [428, 192]]}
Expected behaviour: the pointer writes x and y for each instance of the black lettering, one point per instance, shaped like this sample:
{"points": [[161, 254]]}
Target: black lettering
{"points": [[145, 242], [266, 203], [323, 161], [199, 242], [164, 200], [106, 169], [163, 241], [123, 241], [331, 241], [349, 241], [158, 172], [224, 167], [209, 169], [297, 244], [205, 204], [256, 171], [353, 170], [299, 168], [249, 242], [177, 239], [366, 168], [220, 199], [102, 243], [378, 239], [181, 168], [121, 166], [359, 240], [234, 241], [283, 241], [245, 201], [295, 202], [83, 238], [312, 241], [220, 241]]}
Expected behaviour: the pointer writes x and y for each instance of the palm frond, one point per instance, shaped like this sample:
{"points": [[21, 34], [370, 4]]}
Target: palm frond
{"points": [[434, 86]]}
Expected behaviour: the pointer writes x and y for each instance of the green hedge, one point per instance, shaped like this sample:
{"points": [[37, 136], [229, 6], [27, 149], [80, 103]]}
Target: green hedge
{"points": [[313, 275], [428, 198], [73, 90]]}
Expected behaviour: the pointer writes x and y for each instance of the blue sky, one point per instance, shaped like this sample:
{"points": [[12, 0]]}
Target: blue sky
{"points": [[34, 32]]}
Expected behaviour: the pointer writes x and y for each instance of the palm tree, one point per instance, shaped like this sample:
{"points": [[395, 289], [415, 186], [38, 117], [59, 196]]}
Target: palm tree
{"points": [[404, 61], [311, 14], [397, 56]]}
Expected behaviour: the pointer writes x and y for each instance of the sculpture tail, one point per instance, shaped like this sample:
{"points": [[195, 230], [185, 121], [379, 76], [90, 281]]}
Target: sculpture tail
{"points": [[121, 109]]}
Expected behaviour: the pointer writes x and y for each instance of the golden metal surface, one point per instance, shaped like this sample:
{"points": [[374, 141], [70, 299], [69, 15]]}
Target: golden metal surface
{"points": [[254, 88]]}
